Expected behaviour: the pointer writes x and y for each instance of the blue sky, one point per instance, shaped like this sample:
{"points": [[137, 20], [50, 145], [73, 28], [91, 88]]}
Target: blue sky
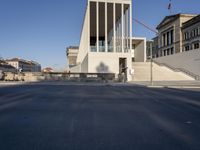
{"points": [[41, 29]]}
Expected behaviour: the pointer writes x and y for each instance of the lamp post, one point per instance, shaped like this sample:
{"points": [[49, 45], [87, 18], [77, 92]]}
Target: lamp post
{"points": [[151, 67]]}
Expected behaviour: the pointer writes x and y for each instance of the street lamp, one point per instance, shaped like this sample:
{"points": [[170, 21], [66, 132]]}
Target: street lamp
{"points": [[151, 67]]}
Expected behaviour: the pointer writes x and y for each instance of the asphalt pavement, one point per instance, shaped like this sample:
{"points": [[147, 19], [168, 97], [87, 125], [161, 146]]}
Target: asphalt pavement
{"points": [[98, 117]]}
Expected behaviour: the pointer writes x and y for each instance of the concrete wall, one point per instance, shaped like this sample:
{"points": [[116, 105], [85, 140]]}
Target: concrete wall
{"points": [[108, 62], [176, 25], [75, 69], [189, 60], [84, 65], [84, 46], [191, 40], [140, 51]]}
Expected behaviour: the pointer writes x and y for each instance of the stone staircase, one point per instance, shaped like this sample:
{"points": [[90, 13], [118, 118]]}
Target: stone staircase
{"points": [[142, 72]]}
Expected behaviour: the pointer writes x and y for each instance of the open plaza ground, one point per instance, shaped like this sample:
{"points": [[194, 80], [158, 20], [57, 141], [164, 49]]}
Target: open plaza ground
{"points": [[67, 116]]}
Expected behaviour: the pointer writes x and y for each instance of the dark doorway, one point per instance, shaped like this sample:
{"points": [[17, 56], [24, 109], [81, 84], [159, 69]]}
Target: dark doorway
{"points": [[123, 68]]}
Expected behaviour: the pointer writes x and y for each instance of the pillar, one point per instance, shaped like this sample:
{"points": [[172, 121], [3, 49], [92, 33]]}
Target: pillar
{"points": [[97, 17], [89, 26], [106, 27], [130, 36], [114, 32], [122, 27]]}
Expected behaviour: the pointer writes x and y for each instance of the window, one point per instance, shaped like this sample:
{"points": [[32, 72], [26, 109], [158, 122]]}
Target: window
{"points": [[172, 36], [110, 33], [168, 42], [164, 41], [187, 48], [101, 27], [196, 45], [172, 51], [186, 36], [197, 32], [164, 52], [192, 34]]}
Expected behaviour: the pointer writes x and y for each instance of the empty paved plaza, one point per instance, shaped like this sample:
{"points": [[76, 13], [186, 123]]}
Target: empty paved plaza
{"points": [[98, 117]]}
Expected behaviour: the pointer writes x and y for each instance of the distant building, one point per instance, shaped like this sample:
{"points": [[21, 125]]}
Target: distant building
{"points": [[5, 67], [24, 65], [72, 53], [36, 67], [191, 34], [154, 52], [47, 70], [170, 33]]}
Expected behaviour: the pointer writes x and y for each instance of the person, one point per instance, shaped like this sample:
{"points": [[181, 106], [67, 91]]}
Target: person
{"points": [[124, 74], [132, 71]]}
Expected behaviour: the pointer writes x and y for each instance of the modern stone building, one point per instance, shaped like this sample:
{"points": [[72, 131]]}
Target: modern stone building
{"points": [[72, 53], [152, 48], [5, 67], [24, 65], [106, 44], [170, 34], [191, 34]]}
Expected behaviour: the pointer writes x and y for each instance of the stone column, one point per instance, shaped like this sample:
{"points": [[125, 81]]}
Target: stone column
{"points": [[114, 32], [106, 27], [130, 26], [97, 19], [122, 27]]}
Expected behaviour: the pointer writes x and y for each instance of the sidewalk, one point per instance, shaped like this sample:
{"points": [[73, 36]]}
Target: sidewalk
{"points": [[169, 84]]}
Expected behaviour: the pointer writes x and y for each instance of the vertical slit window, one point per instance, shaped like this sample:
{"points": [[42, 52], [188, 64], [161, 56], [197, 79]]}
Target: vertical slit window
{"points": [[101, 27], [118, 28], [93, 27], [110, 33]]}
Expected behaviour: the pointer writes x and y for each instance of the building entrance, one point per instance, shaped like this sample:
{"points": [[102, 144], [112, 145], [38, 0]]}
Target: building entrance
{"points": [[123, 68]]}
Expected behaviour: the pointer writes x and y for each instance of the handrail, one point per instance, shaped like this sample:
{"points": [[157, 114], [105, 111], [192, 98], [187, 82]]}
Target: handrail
{"points": [[196, 77]]}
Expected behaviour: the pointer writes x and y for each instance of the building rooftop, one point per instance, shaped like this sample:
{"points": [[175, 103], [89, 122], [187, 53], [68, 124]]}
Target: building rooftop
{"points": [[23, 60], [171, 18], [191, 21], [3, 64]]}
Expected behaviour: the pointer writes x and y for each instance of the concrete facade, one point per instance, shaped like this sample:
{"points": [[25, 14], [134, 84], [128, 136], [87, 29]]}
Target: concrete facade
{"points": [[170, 34], [106, 39], [24, 65], [5, 67], [191, 34], [72, 53], [139, 47], [189, 61]]}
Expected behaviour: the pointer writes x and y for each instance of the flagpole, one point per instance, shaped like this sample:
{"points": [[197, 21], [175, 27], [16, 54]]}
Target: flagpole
{"points": [[170, 7]]}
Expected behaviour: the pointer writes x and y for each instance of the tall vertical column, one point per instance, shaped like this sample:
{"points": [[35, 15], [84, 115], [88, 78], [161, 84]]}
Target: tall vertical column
{"points": [[130, 36], [97, 17], [114, 31], [89, 26], [122, 27], [106, 27]]}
